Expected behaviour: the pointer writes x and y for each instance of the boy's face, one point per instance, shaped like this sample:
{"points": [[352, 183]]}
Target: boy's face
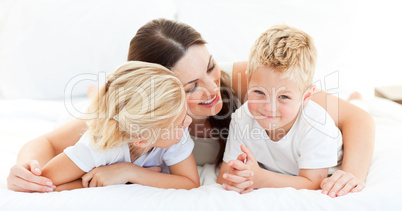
{"points": [[274, 102]]}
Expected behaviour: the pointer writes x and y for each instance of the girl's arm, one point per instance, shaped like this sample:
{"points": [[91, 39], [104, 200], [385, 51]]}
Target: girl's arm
{"points": [[26, 174], [183, 175], [62, 170]]}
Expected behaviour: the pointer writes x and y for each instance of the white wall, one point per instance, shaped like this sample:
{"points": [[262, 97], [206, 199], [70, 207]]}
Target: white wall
{"points": [[358, 41], [44, 44]]}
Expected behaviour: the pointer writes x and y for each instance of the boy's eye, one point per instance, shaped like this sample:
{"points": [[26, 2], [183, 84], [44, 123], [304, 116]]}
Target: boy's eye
{"points": [[211, 68], [193, 89], [284, 97], [259, 92]]}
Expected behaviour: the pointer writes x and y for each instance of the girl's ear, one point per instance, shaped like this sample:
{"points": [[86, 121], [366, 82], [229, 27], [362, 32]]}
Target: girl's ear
{"points": [[142, 143], [307, 95]]}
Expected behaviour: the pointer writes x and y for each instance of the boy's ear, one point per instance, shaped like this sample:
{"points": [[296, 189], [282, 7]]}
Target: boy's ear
{"points": [[140, 143], [307, 95]]}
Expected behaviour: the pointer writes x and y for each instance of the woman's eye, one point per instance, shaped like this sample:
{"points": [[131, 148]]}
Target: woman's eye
{"points": [[259, 92], [213, 67], [284, 97], [193, 89]]}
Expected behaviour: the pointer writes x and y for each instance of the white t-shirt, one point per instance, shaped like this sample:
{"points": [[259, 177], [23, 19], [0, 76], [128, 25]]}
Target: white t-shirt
{"points": [[86, 157], [313, 142]]}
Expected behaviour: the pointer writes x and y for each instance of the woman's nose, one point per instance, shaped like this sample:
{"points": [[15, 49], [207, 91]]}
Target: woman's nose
{"points": [[212, 85]]}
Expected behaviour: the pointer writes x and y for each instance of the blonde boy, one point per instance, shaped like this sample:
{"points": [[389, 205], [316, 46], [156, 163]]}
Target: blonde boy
{"points": [[278, 138]]}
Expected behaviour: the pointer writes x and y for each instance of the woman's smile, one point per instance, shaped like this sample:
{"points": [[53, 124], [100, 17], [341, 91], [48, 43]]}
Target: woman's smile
{"points": [[210, 102]]}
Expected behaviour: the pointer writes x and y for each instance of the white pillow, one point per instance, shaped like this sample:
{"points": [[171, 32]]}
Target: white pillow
{"points": [[45, 44]]}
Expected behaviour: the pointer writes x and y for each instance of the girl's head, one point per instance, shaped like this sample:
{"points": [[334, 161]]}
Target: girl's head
{"points": [[180, 48], [142, 104]]}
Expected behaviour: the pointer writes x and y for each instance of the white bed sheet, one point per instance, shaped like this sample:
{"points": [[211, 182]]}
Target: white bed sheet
{"points": [[23, 120]]}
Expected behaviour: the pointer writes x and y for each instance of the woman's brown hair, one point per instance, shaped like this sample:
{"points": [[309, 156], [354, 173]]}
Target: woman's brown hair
{"points": [[165, 42]]}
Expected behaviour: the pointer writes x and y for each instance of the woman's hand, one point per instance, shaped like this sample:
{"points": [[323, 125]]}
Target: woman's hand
{"points": [[340, 184], [110, 175], [27, 178]]}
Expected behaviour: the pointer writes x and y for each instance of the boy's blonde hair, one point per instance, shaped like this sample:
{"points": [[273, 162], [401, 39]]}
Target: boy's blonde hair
{"points": [[139, 100], [287, 50]]}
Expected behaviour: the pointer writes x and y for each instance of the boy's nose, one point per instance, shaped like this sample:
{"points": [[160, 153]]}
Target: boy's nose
{"points": [[269, 105]]}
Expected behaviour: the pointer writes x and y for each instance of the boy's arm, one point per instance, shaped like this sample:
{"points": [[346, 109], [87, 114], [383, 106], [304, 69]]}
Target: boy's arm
{"points": [[307, 179], [61, 169], [183, 175]]}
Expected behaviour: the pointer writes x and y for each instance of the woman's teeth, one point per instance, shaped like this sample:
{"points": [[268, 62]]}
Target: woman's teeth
{"points": [[209, 101]]}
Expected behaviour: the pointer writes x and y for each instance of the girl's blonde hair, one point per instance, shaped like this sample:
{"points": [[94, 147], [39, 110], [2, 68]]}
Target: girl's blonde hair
{"points": [[138, 101]]}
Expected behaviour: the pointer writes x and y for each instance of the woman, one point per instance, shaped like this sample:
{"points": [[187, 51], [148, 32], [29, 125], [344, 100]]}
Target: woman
{"points": [[181, 49]]}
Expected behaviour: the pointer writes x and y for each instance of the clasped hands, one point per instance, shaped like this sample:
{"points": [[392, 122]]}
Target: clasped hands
{"points": [[243, 172]]}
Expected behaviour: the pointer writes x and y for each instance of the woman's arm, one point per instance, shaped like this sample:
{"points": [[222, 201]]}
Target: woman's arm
{"points": [[358, 132], [47, 146], [183, 175], [25, 175], [239, 80]]}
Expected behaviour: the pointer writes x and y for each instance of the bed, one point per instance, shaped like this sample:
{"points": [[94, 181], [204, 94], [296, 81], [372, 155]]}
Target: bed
{"points": [[22, 120]]}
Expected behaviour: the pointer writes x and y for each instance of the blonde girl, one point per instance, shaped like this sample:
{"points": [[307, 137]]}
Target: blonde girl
{"points": [[139, 117]]}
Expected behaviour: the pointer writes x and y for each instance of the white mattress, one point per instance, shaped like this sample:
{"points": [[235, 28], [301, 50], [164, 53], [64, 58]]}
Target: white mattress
{"points": [[22, 120]]}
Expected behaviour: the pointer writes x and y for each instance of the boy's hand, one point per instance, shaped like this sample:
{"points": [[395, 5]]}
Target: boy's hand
{"points": [[242, 172]]}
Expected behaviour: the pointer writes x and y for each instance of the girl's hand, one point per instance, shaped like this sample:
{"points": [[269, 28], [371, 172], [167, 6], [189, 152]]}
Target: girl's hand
{"points": [[110, 175], [340, 184], [107, 175], [27, 178]]}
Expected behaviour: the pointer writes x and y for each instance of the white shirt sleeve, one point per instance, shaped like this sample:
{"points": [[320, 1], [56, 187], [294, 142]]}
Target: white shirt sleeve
{"points": [[86, 157], [180, 151], [319, 147]]}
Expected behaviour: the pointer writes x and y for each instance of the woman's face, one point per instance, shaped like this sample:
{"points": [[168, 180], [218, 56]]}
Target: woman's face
{"points": [[200, 76]]}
